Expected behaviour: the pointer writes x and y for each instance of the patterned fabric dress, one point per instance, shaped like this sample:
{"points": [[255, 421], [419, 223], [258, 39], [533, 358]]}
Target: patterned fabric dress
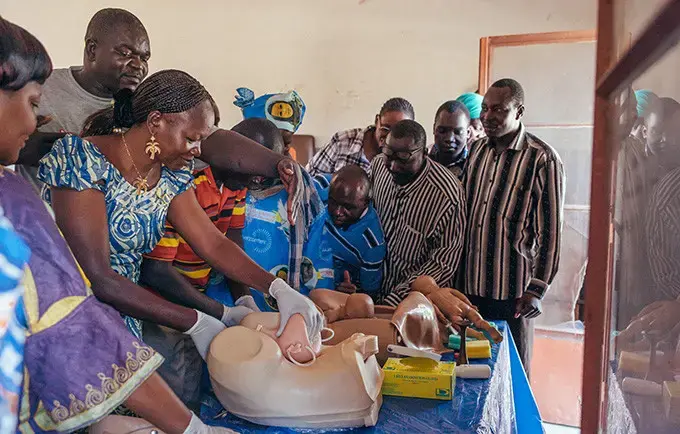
{"points": [[136, 222], [14, 255], [80, 360]]}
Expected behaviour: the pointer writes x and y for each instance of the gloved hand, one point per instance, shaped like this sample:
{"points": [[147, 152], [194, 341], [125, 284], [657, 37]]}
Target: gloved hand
{"points": [[204, 331], [198, 427], [291, 302], [247, 301], [233, 315]]}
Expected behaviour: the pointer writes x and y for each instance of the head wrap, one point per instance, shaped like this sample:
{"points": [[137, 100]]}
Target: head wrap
{"points": [[285, 110], [644, 99], [473, 102]]}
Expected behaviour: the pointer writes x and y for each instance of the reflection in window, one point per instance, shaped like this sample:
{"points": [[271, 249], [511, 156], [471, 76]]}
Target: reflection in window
{"points": [[644, 388]]}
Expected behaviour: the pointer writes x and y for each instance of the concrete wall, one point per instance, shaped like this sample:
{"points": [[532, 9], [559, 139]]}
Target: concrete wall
{"points": [[345, 57]]}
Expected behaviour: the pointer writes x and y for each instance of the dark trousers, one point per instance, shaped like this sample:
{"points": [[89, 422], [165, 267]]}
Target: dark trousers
{"points": [[522, 329], [183, 366]]}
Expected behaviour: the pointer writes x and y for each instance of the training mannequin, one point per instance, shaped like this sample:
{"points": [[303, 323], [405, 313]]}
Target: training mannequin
{"points": [[413, 323], [294, 342], [252, 378], [115, 424]]}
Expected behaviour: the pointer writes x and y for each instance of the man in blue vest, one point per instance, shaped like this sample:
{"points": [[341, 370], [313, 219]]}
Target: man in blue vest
{"points": [[356, 236]]}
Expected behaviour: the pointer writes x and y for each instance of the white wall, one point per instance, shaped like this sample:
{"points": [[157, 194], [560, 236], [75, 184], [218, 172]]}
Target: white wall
{"points": [[345, 57]]}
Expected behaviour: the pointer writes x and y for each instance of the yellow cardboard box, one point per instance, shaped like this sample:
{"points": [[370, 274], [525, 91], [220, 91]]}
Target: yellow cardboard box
{"points": [[418, 377], [671, 400]]}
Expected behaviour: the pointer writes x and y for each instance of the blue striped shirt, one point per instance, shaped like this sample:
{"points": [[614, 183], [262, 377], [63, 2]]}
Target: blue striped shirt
{"points": [[359, 249]]}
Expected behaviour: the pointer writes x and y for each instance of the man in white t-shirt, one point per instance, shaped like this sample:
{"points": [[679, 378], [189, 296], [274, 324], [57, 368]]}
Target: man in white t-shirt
{"points": [[116, 57]]}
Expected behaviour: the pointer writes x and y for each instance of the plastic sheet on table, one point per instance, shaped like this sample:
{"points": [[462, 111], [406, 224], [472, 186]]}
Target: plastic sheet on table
{"points": [[478, 406]]}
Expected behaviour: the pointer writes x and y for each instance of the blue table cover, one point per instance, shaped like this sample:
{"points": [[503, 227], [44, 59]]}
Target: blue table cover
{"points": [[502, 404]]}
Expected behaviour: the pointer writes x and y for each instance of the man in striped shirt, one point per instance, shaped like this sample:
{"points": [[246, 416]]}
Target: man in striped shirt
{"points": [[514, 184], [422, 209], [663, 238]]}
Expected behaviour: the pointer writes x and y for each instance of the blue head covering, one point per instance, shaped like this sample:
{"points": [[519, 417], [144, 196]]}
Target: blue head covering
{"points": [[285, 110], [644, 98], [473, 102]]}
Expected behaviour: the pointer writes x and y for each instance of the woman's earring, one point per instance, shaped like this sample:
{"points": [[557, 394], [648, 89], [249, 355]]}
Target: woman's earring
{"points": [[152, 147]]}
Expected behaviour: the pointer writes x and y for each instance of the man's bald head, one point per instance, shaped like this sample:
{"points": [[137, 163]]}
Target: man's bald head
{"points": [[108, 21], [349, 195], [117, 52], [355, 178]]}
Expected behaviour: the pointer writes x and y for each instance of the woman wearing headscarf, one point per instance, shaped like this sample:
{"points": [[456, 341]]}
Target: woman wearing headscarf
{"points": [[473, 102], [286, 110], [79, 360]]}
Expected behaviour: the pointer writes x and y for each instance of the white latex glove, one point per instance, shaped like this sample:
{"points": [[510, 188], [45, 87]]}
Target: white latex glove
{"points": [[233, 315], [198, 427], [291, 302], [204, 331], [247, 301]]}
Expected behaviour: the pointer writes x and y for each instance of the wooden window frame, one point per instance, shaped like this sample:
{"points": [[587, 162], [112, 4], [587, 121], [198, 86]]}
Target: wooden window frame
{"points": [[655, 41], [489, 43]]}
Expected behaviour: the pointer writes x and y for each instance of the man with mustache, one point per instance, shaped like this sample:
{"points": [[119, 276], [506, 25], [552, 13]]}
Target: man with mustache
{"points": [[116, 57], [452, 131], [514, 185], [356, 236], [421, 206]]}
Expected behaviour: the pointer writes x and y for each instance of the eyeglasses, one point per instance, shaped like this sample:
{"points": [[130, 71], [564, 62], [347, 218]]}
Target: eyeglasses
{"points": [[401, 156]]}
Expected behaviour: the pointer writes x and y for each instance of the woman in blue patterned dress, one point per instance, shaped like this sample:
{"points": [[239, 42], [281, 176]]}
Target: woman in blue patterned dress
{"points": [[68, 356], [111, 194]]}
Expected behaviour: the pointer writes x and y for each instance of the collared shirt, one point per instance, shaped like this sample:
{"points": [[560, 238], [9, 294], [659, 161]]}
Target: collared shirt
{"points": [[344, 149], [226, 210], [359, 249], [515, 200], [424, 224], [456, 167], [663, 237]]}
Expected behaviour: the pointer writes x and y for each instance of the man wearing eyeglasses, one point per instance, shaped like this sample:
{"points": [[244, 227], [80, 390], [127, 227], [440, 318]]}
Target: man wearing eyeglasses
{"points": [[421, 206]]}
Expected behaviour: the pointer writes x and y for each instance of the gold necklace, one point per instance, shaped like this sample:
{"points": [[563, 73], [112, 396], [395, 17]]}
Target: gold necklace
{"points": [[141, 183]]}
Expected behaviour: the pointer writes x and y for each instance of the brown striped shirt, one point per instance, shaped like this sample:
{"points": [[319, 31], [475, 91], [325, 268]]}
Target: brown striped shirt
{"points": [[515, 202], [663, 237], [424, 225]]}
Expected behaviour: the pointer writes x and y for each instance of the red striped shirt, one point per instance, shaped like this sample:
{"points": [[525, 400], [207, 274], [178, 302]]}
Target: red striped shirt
{"points": [[226, 209]]}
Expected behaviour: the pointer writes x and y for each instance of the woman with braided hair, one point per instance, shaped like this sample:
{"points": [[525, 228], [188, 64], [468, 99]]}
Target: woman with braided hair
{"points": [[111, 193]]}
